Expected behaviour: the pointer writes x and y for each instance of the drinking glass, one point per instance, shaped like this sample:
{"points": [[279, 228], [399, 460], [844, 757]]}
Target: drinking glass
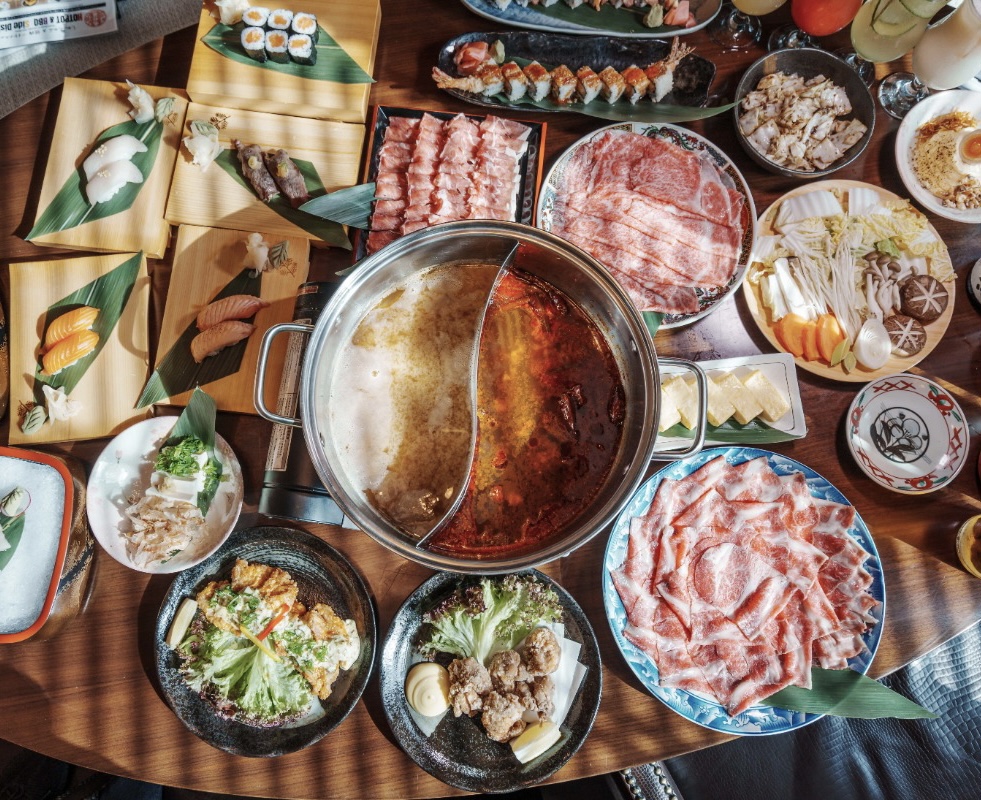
{"points": [[813, 18], [741, 27]]}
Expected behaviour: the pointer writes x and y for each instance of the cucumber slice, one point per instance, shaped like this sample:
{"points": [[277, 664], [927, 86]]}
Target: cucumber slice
{"points": [[924, 9]]}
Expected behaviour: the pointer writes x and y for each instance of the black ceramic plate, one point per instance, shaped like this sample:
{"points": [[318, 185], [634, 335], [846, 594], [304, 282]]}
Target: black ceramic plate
{"points": [[530, 165], [692, 78], [323, 575], [459, 752]]}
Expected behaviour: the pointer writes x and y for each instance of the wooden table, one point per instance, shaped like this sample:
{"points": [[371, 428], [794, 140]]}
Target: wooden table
{"points": [[88, 695]]}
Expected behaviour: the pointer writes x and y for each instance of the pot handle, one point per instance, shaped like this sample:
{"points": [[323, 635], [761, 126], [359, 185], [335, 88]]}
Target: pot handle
{"points": [[701, 384], [260, 372]]}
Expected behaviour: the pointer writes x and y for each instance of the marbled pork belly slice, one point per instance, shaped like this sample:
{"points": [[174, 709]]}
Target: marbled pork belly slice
{"points": [[379, 239], [391, 185], [462, 141], [390, 206], [402, 129], [664, 640], [833, 650], [753, 480]]}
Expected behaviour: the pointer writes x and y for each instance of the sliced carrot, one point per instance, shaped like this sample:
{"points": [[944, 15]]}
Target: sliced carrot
{"points": [[277, 618], [789, 331], [830, 335], [810, 341]]}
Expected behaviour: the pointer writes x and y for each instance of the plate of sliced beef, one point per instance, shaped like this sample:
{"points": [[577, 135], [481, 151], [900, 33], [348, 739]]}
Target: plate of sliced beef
{"points": [[730, 575], [663, 209]]}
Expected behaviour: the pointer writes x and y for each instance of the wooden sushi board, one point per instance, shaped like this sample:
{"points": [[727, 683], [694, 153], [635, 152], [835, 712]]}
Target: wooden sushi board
{"points": [[205, 260], [215, 199], [87, 109], [112, 383], [219, 80]]}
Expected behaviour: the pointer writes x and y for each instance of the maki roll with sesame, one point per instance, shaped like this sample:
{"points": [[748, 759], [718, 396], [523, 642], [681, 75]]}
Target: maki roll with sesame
{"points": [[301, 49], [255, 17], [254, 43], [305, 24], [277, 46], [280, 20]]}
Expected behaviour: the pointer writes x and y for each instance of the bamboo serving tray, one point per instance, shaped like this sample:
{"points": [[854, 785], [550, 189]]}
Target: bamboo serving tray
{"points": [[215, 199], [218, 80], [112, 383], [87, 108], [205, 260]]}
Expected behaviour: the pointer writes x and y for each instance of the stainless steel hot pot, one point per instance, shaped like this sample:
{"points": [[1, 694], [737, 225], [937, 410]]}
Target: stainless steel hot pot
{"points": [[563, 265]]}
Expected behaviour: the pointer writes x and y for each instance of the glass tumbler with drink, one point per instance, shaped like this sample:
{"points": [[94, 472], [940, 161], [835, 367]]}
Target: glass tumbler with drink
{"points": [[741, 27]]}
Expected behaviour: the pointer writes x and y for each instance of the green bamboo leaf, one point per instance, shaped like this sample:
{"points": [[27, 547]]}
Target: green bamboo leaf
{"points": [[608, 18], [847, 693], [653, 321], [330, 232], [70, 208], [198, 419], [178, 372], [333, 63], [109, 293], [12, 530], [351, 206], [279, 253], [753, 432], [621, 111]]}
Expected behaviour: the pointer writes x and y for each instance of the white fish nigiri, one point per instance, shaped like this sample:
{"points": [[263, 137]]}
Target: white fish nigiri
{"points": [[104, 184], [119, 148]]}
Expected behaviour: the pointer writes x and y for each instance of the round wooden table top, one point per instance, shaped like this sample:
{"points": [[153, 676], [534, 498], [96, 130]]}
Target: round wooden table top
{"points": [[89, 695]]}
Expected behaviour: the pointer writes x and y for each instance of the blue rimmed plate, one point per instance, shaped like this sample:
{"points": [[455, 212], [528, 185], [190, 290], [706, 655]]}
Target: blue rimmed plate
{"points": [[760, 719]]}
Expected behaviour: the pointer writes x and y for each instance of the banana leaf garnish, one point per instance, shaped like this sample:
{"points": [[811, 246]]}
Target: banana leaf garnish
{"points": [[326, 230], [110, 294], [847, 693], [177, 371], [333, 63], [70, 207], [652, 319], [198, 419], [351, 206]]}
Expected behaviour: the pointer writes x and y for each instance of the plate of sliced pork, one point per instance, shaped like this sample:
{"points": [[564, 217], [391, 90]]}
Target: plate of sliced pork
{"points": [[732, 573], [663, 209]]}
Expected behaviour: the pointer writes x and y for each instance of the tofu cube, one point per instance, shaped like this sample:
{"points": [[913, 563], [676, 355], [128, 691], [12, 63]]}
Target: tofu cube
{"points": [[775, 405], [719, 408], [668, 414], [746, 406], [684, 397]]}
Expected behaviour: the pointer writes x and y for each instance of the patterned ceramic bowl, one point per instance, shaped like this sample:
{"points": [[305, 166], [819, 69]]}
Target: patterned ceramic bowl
{"points": [[908, 434]]}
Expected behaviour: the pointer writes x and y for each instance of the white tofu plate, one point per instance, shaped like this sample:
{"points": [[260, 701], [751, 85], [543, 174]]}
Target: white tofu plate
{"points": [[779, 369]]}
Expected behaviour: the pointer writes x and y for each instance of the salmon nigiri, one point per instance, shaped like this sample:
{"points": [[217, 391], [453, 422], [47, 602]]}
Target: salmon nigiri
{"points": [[236, 306], [78, 319], [224, 334], [68, 351]]}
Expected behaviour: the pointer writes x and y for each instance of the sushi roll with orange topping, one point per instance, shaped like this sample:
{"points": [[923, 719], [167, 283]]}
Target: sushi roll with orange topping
{"points": [[563, 84], [515, 82], [76, 320], [588, 84], [637, 83], [539, 81], [69, 351], [613, 85]]}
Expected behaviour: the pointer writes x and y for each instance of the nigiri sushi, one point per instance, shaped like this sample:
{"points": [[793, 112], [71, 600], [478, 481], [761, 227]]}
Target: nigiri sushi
{"points": [[661, 73], [118, 148], [68, 351], [287, 176], [254, 170], [236, 306], [213, 340], [78, 319], [110, 178]]}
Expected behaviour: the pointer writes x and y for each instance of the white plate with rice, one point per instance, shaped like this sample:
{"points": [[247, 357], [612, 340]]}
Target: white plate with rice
{"points": [[932, 107], [122, 473]]}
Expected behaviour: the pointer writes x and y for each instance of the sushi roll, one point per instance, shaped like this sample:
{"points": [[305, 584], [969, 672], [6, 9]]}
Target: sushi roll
{"points": [[301, 49], [613, 85], [306, 24], [236, 306], [277, 46], [118, 148], [110, 178], [76, 320], [515, 82], [224, 334], [539, 81], [68, 351], [563, 84], [280, 20], [254, 170], [637, 83], [588, 84], [255, 17], [254, 43], [288, 177], [490, 75]]}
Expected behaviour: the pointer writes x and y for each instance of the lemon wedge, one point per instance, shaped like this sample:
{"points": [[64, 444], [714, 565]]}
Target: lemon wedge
{"points": [[182, 621], [536, 739]]}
